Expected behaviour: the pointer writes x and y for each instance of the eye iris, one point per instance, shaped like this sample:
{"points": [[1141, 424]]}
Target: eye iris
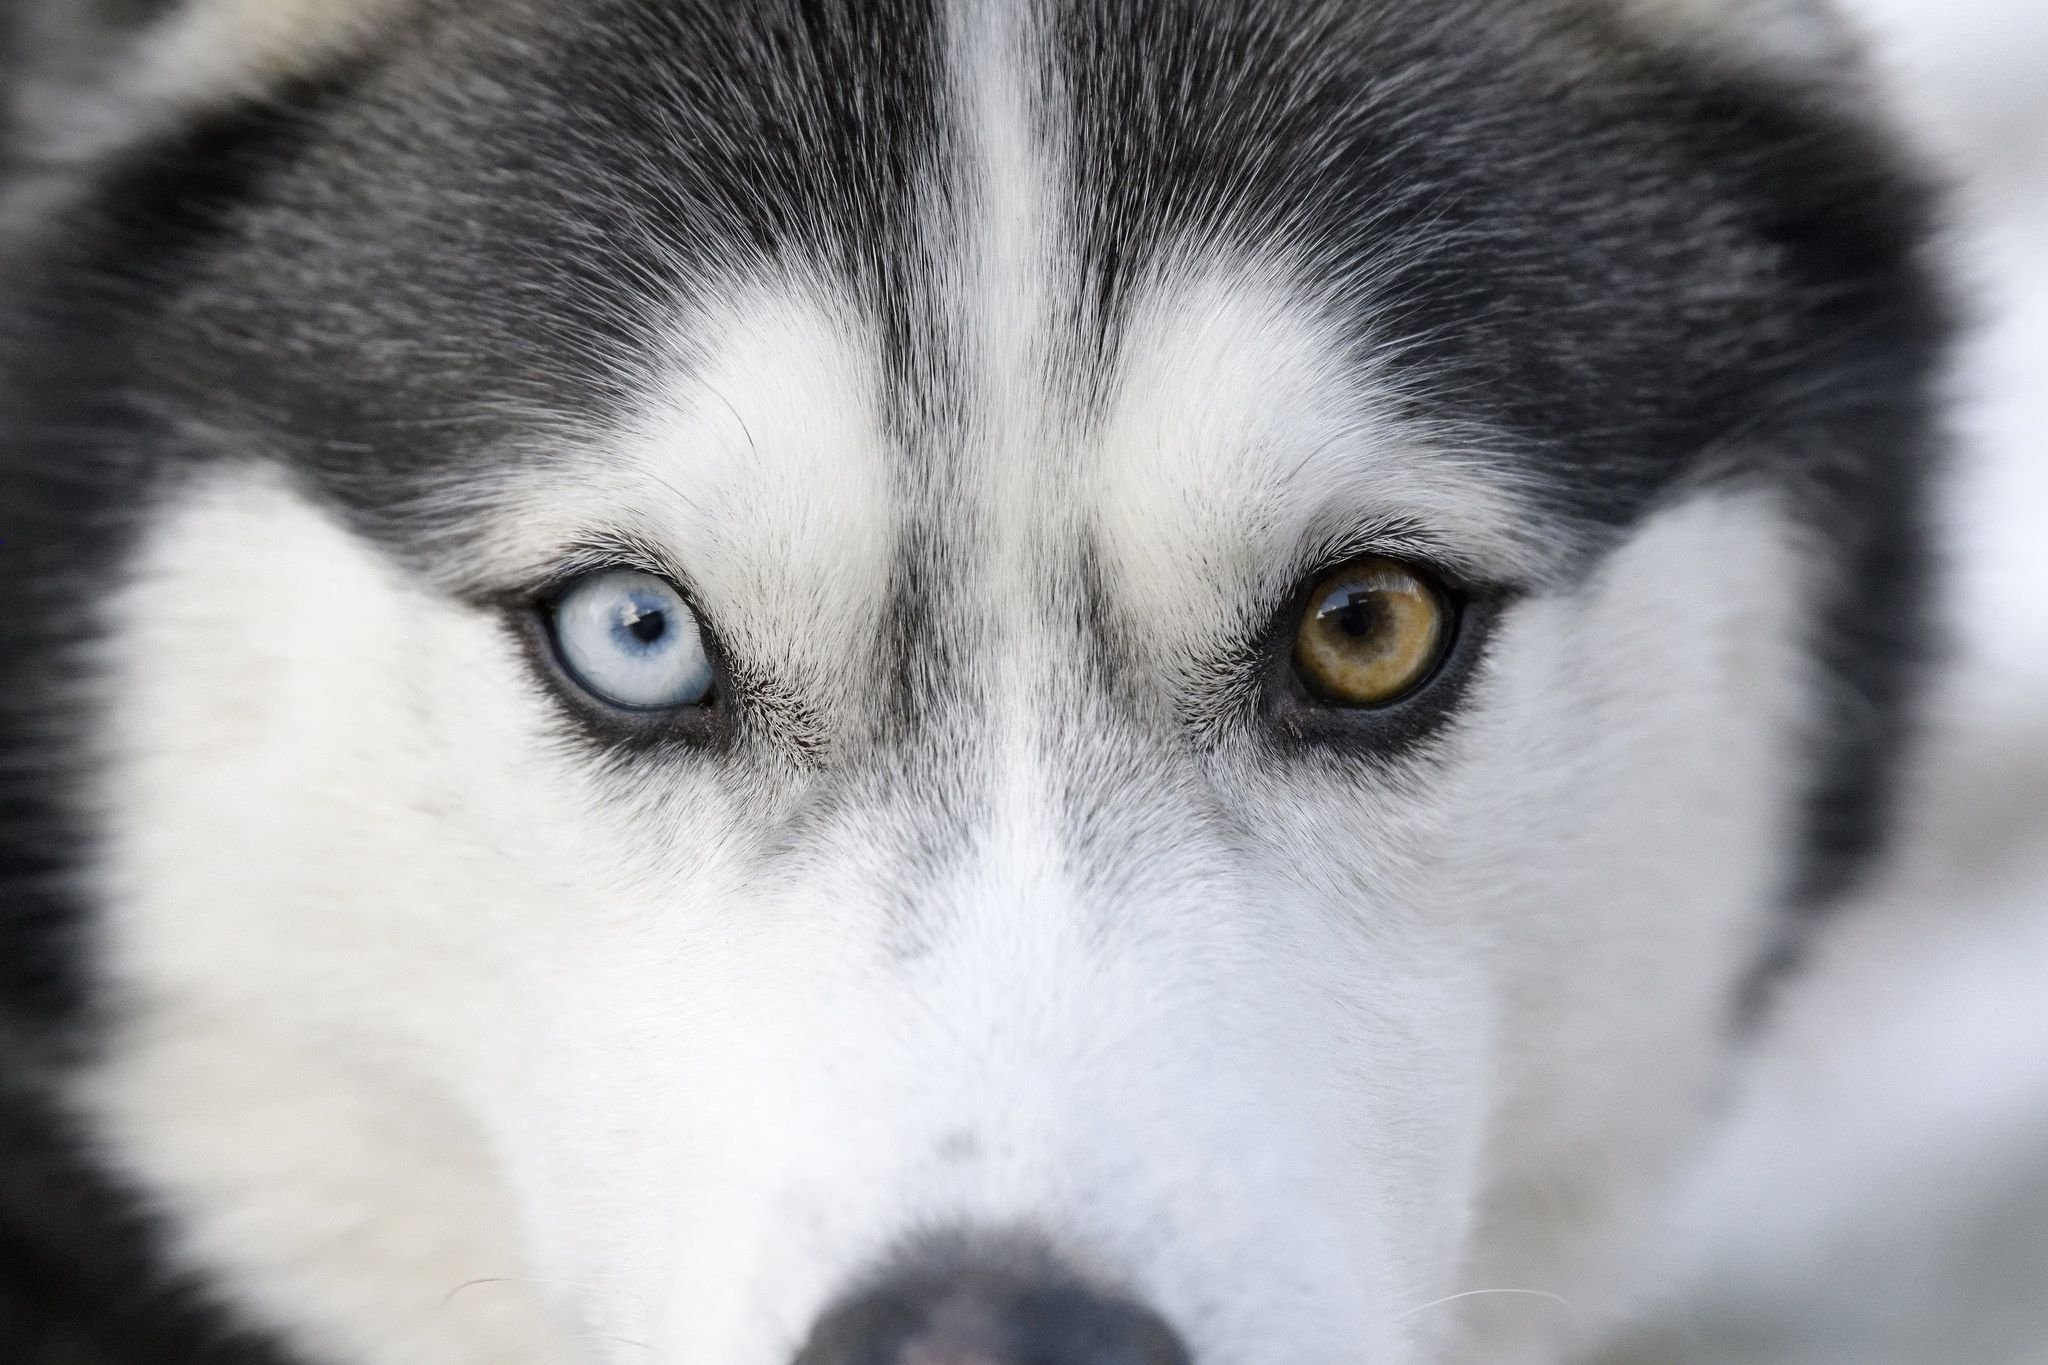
{"points": [[1373, 632], [628, 638]]}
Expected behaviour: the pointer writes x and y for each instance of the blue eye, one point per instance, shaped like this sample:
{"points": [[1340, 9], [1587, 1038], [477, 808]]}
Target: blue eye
{"points": [[627, 638]]}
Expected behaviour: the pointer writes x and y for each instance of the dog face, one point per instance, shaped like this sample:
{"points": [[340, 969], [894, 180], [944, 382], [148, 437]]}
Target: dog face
{"points": [[877, 683]]}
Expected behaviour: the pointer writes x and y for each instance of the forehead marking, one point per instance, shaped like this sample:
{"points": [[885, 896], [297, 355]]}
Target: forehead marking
{"points": [[1010, 173], [1234, 429]]}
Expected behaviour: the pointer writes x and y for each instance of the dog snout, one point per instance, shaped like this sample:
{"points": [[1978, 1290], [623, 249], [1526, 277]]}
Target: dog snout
{"points": [[982, 1316]]}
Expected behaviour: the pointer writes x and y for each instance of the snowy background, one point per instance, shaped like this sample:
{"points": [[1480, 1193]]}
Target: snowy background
{"points": [[1882, 1198]]}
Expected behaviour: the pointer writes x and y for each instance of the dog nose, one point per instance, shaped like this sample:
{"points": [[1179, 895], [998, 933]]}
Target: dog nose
{"points": [[983, 1317]]}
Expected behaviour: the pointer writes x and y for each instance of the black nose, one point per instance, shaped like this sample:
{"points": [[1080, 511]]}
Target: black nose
{"points": [[989, 1316]]}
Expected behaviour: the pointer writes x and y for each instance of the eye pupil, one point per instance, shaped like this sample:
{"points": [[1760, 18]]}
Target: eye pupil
{"points": [[1359, 616], [646, 626]]}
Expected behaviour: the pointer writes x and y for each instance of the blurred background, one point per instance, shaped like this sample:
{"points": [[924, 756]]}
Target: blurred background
{"points": [[1882, 1197]]}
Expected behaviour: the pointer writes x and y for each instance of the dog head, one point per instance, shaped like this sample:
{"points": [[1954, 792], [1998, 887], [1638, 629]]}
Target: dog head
{"points": [[904, 683]]}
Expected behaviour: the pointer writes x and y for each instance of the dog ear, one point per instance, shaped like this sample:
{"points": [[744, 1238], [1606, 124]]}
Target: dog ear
{"points": [[91, 73]]}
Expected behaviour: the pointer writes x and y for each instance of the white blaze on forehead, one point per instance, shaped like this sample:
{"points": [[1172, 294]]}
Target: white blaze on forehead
{"points": [[1012, 182]]}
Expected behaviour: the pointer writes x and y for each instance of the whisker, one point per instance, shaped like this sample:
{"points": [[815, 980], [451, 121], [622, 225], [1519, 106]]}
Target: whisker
{"points": [[449, 1297], [1558, 1299], [622, 1341]]}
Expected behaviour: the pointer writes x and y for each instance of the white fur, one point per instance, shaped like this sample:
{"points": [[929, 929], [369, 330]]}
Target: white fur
{"points": [[296, 1071], [390, 948]]}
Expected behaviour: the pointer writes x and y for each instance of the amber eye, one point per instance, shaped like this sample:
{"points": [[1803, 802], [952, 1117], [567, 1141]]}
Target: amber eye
{"points": [[1372, 632]]}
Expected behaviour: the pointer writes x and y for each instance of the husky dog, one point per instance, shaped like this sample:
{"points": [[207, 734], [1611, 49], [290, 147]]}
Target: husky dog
{"points": [[924, 682]]}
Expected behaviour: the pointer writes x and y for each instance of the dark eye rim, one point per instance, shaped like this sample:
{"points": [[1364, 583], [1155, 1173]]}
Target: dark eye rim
{"points": [[1301, 718], [706, 724]]}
